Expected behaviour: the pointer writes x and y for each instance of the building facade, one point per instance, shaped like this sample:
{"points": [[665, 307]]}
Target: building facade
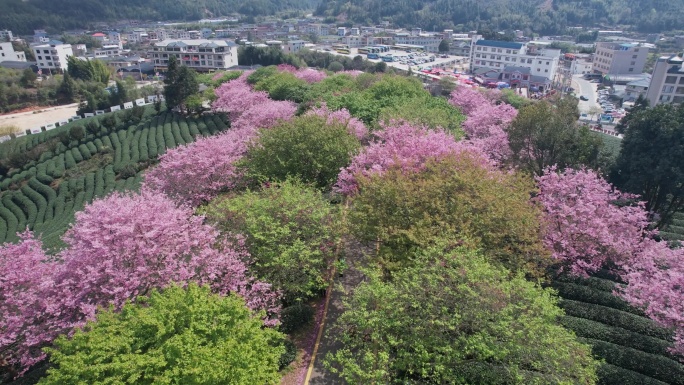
{"points": [[6, 35], [430, 43], [500, 54], [7, 53], [635, 89], [667, 81], [293, 46], [199, 54], [52, 55], [619, 58]]}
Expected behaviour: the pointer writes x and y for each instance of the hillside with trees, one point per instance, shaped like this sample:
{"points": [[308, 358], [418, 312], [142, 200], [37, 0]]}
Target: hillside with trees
{"points": [[546, 17], [22, 17]]}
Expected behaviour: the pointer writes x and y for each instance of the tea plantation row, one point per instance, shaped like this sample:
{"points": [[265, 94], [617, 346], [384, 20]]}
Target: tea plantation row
{"points": [[44, 194]]}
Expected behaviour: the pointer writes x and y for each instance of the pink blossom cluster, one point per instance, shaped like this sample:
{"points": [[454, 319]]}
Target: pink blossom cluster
{"points": [[354, 126], [583, 228], [655, 280], [405, 145], [119, 248], [310, 75], [486, 121], [196, 173]]}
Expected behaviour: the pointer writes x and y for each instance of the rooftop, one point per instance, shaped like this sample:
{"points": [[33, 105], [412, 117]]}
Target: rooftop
{"points": [[499, 44], [194, 42]]}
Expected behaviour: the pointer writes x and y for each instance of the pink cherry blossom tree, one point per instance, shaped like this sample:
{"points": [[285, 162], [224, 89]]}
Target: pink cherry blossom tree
{"points": [[355, 126], [119, 247], [655, 280], [26, 274], [196, 173], [584, 228], [310, 75], [486, 121], [400, 143]]}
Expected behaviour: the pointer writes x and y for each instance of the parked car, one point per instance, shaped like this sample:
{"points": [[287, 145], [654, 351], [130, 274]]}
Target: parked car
{"points": [[584, 98]]}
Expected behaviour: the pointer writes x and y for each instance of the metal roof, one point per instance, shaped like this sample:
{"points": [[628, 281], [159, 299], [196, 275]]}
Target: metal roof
{"points": [[499, 44]]}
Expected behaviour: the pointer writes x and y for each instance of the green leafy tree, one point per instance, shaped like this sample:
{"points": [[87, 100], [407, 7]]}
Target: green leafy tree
{"points": [[335, 66], [454, 318], [283, 86], [181, 82], [545, 134], [67, 89], [456, 198], [290, 232], [178, 336], [426, 111], [640, 104], [76, 133], [306, 147], [443, 46], [651, 159], [28, 78]]}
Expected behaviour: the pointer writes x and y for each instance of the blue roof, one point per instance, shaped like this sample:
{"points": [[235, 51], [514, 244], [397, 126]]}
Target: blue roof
{"points": [[499, 44]]}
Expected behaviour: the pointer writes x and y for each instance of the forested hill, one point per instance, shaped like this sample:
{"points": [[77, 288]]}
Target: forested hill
{"points": [[544, 16], [23, 16]]}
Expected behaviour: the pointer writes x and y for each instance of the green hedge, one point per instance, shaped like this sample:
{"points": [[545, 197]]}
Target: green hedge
{"points": [[614, 375], [616, 318], [587, 294], [658, 367], [599, 331]]}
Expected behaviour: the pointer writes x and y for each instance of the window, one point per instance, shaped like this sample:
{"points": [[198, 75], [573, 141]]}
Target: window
{"points": [[668, 89], [678, 99], [634, 56], [529, 61], [680, 90], [631, 70], [546, 70], [547, 63], [632, 63], [671, 79], [498, 58], [664, 98], [477, 55]]}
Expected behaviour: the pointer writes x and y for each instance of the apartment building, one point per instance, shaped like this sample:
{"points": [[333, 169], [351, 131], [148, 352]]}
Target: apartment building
{"points": [[7, 53], [52, 55], [293, 46], [667, 81], [429, 42], [199, 54], [6, 35], [619, 58], [107, 50], [501, 54]]}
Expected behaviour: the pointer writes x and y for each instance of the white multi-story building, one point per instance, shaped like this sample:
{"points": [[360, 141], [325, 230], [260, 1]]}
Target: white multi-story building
{"points": [[137, 36], [107, 50], [667, 81], [199, 54], [293, 46], [53, 55], [7, 53], [619, 58], [6, 35], [501, 54], [429, 42], [40, 36]]}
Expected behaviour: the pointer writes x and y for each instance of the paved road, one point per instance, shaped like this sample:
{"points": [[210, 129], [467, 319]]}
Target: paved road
{"points": [[585, 88]]}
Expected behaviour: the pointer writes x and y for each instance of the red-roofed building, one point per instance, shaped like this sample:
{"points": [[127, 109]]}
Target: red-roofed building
{"points": [[99, 36]]}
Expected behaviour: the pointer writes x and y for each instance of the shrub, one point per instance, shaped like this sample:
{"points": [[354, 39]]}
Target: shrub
{"points": [[294, 317], [76, 133], [306, 148], [289, 355], [290, 232]]}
